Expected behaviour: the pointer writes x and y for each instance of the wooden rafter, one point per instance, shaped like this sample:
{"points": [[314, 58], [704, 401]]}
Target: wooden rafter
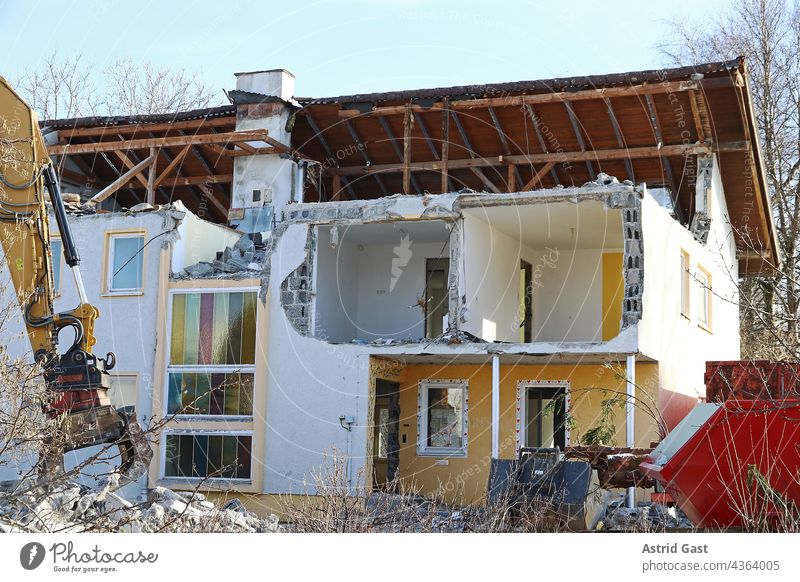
{"points": [[576, 128], [172, 165], [556, 157], [393, 141], [513, 173], [128, 163], [318, 133], [612, 116], [121, 181], [698, 123], [159, 142], [656, 124], [100, 131], [554, 97], [364, 154], [537, 177], [473, 154], [530, 113], [445, 146], [408, 122]]}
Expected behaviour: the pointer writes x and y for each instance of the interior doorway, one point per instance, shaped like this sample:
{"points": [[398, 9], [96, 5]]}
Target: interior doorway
{"points": [[542, 414], [386, 433], [437, 272], [525, 302]]}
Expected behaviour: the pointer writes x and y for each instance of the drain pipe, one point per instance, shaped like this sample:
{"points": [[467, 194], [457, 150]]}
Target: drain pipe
{"points": [[495, 407], [630, 435], [347, 422]]}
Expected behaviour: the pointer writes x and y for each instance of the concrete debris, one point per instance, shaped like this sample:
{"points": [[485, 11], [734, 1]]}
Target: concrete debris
{"points": [[74, 508], [243, 259], [645, 517]]}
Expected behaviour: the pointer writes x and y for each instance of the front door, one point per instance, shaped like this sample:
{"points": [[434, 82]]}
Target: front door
{"points": [[386, 429]]}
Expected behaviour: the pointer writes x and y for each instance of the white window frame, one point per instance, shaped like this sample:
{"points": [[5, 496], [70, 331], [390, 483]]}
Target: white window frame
{"points": [[423, 450], [207, 369], [136, 378], [522, 408], [685, 294], [199, 432], [709, 295], [112, 237]]}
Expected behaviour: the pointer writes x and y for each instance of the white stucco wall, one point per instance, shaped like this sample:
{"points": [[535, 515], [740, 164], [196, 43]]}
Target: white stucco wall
{"points": [[126, 325], [310, 385], [680, 345], [200, 241]]}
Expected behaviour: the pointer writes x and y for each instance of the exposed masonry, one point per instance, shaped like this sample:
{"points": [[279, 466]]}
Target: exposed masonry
{"points": [[296, 292], [630, 204], [296, 289]]}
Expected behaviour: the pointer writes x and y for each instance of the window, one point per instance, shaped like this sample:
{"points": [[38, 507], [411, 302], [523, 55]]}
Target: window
{"points": [[212, 353], [704, 296], [208, 456], [685, 284], [442, 422], [124, 390], [125, 263], [57, 253]]}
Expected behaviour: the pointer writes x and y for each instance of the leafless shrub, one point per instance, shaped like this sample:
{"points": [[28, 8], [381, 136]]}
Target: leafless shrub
{"points": [[329, 505]]}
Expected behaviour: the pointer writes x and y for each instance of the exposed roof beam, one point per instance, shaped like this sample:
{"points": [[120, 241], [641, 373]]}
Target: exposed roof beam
{"points": [[424, 129], [698, 123], [159, 142], [537, 177], [206, 187], [651, 105], [576, 128], [557, 157], [101, 130], [620, 137], [121, 181], [194, 181], [318, 133], [475, 170], [364, 154], [530, 113], [396, 147], [537, 98], [506, 148]]}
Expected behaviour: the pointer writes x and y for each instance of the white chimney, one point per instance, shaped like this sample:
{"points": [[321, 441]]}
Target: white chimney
{"points": [[274, 82], [264, 183]]}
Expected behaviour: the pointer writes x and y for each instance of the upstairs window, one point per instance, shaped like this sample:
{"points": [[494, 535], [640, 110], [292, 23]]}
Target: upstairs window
{"points": [[685, 283], [704, 296], [125, 263]]}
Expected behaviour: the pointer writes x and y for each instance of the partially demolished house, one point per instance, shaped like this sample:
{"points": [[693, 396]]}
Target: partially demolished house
{"points": [[434, 279]]}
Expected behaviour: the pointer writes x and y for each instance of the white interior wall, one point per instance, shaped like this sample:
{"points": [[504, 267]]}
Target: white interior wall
{"points": [[336, 274], [567, 287], [357, 295], [491, 261], [386, 311], [200, 240]]}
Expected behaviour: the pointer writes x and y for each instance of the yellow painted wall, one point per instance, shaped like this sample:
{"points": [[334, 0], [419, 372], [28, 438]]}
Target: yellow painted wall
{"points": [[464, 479], [613, 292]]}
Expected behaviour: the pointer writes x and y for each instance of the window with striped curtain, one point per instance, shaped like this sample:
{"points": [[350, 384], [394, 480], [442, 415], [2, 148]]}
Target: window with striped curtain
{"points": [[212, 353]]}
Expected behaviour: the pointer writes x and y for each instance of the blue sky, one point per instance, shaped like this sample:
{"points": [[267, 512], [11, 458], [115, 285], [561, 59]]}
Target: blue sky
{"points": [[348, 46]]}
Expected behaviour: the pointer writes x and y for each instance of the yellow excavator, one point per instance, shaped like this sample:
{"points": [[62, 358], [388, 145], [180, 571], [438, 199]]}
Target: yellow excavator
{"points": [[77, 380]]}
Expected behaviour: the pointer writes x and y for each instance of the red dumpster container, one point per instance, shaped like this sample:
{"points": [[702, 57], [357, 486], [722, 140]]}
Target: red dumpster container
{"points": [[751, 380], [731, 461]]}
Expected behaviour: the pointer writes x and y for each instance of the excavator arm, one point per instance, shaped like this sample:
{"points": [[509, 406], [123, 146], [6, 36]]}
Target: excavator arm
{"points": [[77, 379]]}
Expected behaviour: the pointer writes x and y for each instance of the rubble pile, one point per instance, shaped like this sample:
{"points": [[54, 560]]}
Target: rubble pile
{"points": [[244, 258], [645, 517], [74, 508]]}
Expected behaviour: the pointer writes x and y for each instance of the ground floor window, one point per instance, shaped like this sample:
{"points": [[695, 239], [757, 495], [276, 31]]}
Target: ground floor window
{"points": [[442, 421], [208, 456]]}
